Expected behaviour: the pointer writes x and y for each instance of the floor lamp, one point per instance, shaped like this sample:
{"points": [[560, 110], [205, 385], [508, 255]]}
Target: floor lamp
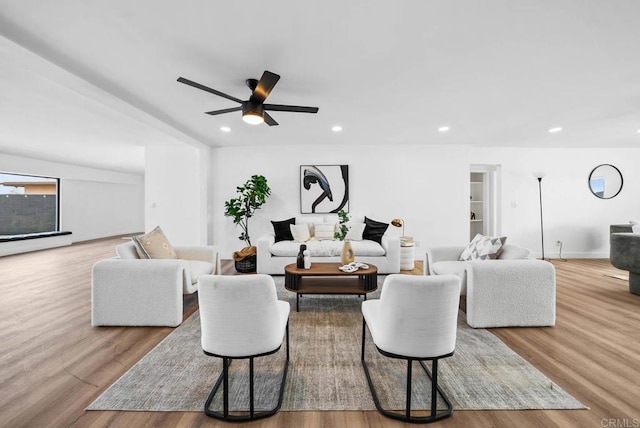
{"points": [[539, 176]]}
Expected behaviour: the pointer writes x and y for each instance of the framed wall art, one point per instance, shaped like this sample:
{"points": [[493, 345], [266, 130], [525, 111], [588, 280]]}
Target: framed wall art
{"points": [[324, 188]]}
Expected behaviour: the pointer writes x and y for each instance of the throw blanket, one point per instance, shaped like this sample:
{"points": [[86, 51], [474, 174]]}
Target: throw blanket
{"points": [[244, 253]]}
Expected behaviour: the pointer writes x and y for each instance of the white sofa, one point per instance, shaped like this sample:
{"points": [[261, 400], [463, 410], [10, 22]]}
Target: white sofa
{"points": [[511, 291], [129, 291], [273, 256]]}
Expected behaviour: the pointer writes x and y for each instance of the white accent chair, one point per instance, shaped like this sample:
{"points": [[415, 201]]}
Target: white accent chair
{"points": [[511, 291], [415, 319], [129, 291], [241, 318]]}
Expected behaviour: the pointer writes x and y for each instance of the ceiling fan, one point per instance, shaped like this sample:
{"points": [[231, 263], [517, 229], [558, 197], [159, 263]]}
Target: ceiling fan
{"points": [[254, 110]]}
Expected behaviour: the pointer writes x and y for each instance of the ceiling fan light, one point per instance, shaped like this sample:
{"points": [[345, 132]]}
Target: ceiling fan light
{"points": [[252, 118], [252, 113]]}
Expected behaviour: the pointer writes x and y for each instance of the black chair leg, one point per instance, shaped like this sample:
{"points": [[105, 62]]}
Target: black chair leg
{"points": [[224, 380], [435, 390], [364, 325], [408, 399]]}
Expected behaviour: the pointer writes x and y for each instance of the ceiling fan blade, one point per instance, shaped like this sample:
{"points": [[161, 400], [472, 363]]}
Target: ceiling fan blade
{"points": [[296, 109], [206, 88], [268, 119], [264, 86], [225, 110]]}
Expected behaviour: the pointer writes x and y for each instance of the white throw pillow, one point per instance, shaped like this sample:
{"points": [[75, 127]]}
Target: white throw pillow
{"points": [[300, 232], [635, 226], [355, 231], [324, 231], [483, 248]]}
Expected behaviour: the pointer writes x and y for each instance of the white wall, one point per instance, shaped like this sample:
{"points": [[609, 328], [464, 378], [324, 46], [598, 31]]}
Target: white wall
{"points": [[176, 194], [571, 213], [100, 209], [426, 186], [93, 203]]}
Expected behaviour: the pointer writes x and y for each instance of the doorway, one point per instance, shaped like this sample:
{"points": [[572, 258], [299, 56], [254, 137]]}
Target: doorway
{"points": [[484, 191]]}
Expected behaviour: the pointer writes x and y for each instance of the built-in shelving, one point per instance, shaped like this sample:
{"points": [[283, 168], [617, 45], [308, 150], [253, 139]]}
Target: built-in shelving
{"points": [[476, 203]]}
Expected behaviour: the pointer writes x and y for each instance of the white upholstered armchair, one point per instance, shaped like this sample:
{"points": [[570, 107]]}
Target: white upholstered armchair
{"points": [[415, 319], [129, 291], [242, 318], [511, 291]]}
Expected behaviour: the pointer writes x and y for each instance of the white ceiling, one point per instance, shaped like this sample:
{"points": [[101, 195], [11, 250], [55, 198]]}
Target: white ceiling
{"points": [[94, 82]]}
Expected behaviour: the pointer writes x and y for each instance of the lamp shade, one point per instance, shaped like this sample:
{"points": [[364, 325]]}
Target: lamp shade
{"points": [[397, 222]]}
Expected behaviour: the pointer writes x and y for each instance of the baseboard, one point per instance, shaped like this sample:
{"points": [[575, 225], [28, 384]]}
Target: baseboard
{"points": [[572, 255], [25, 246]]}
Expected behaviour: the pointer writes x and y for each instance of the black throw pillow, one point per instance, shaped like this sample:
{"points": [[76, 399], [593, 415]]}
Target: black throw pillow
{"points": [[373, 230], [282, 229]]}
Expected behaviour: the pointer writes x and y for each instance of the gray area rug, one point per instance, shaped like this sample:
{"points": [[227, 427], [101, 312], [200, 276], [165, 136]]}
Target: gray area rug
{"points": [[325, 372]]}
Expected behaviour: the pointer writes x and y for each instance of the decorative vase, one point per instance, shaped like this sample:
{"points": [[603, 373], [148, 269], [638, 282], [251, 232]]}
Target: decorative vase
{"points": [[347, 255]]}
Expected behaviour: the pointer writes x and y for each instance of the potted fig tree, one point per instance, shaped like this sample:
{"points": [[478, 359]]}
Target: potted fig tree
{"points": [[250, 197]]}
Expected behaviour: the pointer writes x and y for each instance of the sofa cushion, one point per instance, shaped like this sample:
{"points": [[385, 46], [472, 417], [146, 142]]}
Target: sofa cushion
{"points": [[327, 248], [514, 252], [635, 226], [453, 267], [366, 248], [374, 230], [324, 231], [282, 229], [127, 251], [197, 268], [154, 245], [483, 248], [355, 231], [300, 232]]}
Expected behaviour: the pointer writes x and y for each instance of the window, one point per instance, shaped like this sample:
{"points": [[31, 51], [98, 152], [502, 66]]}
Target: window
{"points": [[28, 204]]}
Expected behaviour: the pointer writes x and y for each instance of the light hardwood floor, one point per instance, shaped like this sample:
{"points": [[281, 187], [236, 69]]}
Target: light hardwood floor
{"points": [[53, 363]]}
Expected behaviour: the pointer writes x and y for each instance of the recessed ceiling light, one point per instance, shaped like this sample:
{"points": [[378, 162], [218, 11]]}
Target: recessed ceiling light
{"points": [[554, 130], [336, 128], [443, 129], [638, 131], [225, 129]]}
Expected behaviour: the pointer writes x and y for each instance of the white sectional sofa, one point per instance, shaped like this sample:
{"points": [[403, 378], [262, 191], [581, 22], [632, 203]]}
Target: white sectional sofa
{"points": [[273, 256]]}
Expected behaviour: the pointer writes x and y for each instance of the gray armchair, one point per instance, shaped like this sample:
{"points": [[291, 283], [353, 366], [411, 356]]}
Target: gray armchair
{"points": [[624, 253]]}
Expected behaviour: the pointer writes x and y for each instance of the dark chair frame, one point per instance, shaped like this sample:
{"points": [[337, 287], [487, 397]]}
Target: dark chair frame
{"points": [[435, 388], [224, 380]]}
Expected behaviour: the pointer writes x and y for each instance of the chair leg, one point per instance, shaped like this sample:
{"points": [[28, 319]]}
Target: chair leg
{"points": [[434, 386], [287, 330], [224, 380], [364, 325], [251, 409], [435, 391], [225, 391], [408, 399]]}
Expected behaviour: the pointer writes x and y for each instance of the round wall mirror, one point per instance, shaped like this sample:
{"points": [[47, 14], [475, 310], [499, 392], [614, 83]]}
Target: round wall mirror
{"points": [[605, 181]]}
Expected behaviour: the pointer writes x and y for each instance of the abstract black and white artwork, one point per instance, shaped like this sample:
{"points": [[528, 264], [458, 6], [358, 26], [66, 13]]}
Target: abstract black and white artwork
{"points": [[324, 188]]}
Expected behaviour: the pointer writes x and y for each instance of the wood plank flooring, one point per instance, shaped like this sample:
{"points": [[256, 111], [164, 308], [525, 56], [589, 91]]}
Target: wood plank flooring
{"points": [[53, 363]]}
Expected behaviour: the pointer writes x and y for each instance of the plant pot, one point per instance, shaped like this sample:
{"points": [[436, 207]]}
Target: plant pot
{"points": [[246, 265]]}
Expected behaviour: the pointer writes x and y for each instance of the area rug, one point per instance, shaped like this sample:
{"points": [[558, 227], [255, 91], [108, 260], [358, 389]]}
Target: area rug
{"points": [[325, 372]]}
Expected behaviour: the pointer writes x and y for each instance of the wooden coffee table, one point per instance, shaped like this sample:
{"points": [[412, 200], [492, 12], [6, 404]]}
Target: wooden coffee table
{"points": [[326, 278]]}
